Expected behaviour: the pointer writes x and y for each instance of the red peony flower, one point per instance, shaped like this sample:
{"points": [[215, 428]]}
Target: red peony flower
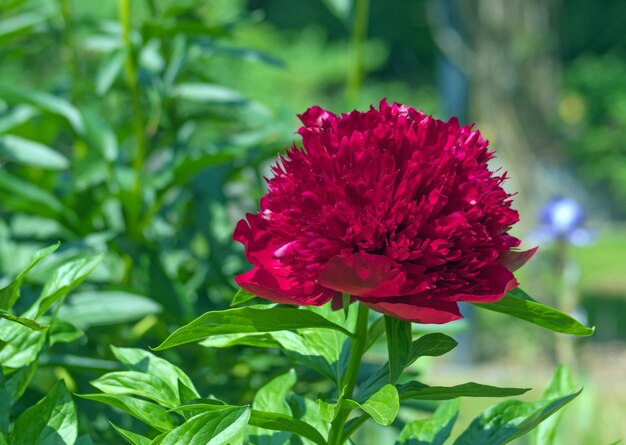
{"points": [[391, 206]]}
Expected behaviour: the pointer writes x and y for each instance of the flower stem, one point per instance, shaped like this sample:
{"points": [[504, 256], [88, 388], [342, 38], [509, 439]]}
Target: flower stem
{"points": [[138, 117], [359, 34], [349, 381]]}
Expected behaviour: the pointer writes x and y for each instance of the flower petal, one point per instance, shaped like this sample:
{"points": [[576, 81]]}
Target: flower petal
{"points": [[362, 274], [260, 282], [513, 259], [419, 310], [499, 281]]}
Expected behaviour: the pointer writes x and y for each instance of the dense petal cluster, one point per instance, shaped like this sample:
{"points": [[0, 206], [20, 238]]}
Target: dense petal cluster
{"points": [[391, 206]]}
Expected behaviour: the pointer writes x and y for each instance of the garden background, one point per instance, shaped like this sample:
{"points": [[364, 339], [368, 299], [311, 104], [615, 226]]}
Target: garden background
{"points": [[142, 130]]}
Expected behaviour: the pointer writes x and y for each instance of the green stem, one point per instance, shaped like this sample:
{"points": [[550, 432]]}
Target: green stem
{"points": [[359, 341], [138, 121], [359, 33]]}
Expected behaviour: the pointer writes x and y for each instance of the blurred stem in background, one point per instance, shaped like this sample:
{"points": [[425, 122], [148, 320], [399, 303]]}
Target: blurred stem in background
{"points": [[138, 118], [359, 34]]}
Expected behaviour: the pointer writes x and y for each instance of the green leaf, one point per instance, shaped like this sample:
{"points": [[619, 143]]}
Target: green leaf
{"points": [[32, 324], [433, 430], [20, 195], [10, 294], [22, 345], [226, 426], [109, 71], [139, 384], [193, 163], [241, 296], [399, 339], [47, 102], [272, 397], [130, 437], [148, 412], [518, 304], [286, 423], [560, 386], [383, 406], [264, 340], [63, 331], [420, 391], [144, 361], [64, 279], [17, 382], [206, 93], [102, 308], [27, 152], [50, 421], [19, 25], [509, 420], [431, 345], [19, 115], [246, 320]]}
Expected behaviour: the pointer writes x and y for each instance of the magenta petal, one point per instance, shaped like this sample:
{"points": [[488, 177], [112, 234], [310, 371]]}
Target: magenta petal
{"points": [[262, 283], [513, 260], [361, 274], [436, 311], [499, 281]]}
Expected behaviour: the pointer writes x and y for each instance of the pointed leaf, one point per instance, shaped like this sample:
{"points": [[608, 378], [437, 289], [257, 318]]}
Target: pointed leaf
{"points": [[130, 437], [246, 320], [509, 420], [144, 361], [64, 279], [419, 391], [399, 339], [148, 412], [103, 308], [383, 406], [10, 294], [431, 345], [518, 304], [51, 421], [139, 384], [225, 426], [286, 423], [27, 152], [32, 324], [241, 296], [433, 430]]}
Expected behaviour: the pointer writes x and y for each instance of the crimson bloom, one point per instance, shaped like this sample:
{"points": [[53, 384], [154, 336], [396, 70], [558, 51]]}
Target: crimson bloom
{"points": [[391, 206]]}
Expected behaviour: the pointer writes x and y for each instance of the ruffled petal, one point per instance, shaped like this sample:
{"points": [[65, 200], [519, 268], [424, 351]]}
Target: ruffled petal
{"points": [[498, 282], [513, 260], [363, 274], [261, 282], [419, 310]]}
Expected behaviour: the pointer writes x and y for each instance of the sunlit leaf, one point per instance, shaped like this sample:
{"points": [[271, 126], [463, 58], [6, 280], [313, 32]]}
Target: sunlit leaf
{"points": [[27, 152], [52, 420], [433, 430], [148, 412], [214, 427], [245, 320], [417, 390], [509, 420], [518, 304]]}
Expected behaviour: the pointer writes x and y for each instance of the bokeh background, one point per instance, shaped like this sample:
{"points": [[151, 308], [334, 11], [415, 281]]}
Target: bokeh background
{"points": [[144, 128]]}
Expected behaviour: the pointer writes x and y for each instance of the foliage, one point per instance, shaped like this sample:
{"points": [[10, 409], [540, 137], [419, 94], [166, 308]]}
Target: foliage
{"points": [[135, 133]]}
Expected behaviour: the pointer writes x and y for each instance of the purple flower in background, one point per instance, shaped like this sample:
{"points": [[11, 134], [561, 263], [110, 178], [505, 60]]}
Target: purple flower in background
{"points": [[562, 220]]}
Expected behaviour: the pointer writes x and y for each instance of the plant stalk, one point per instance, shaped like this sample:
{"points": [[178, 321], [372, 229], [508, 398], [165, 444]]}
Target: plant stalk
{"points": [[359, 341], [359, 34], [138, 118]]}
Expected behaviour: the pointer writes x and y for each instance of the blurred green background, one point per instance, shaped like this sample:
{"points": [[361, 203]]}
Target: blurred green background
{"points": [[144, 128]]}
